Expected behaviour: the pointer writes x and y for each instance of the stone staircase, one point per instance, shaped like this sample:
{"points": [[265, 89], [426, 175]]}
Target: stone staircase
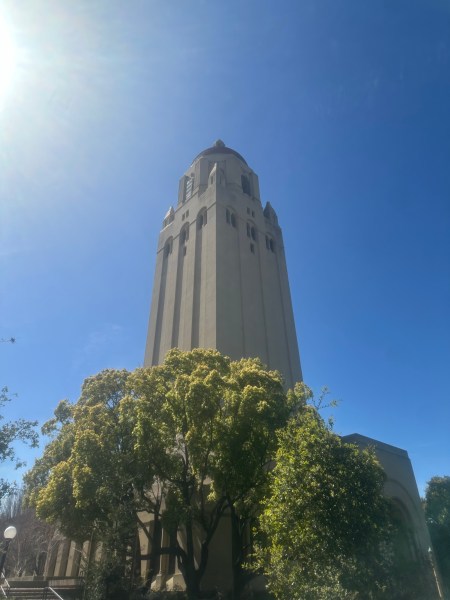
{"points": [[41, 590]]}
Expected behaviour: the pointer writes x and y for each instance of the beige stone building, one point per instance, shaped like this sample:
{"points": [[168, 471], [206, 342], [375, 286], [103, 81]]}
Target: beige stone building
{"points": [[221, 282], [221, 279]]}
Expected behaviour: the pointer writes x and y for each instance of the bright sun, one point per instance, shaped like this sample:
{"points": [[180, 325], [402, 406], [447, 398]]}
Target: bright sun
{"points": [[7, 57]]}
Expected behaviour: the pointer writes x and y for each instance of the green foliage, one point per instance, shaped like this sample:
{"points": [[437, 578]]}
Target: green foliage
{"points": [[206, 426], [199, 435], [11, 432], [197, 431], [106, 580], [437, 512], [324, 529], [84, 480]]}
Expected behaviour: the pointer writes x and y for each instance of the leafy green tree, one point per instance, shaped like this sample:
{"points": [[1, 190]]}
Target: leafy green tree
{"points": [[206, 426], [437, 512], [88, 482], [11, 432], [325, 526], [255, 408], [185, 441]]}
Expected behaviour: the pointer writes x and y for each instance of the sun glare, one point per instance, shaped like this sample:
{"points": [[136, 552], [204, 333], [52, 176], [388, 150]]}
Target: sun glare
{"points": [[7, 57]]}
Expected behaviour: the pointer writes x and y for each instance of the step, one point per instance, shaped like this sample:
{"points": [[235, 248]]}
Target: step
{"points": [[27, 593], [39, 593]]}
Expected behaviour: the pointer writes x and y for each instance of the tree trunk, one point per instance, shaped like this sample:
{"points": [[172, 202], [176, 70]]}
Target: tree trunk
{"points": [[191, 574], [236, 553]]}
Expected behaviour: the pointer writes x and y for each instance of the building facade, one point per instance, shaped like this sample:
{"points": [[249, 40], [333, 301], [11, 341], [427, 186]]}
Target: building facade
{"points": [[221, 280]]}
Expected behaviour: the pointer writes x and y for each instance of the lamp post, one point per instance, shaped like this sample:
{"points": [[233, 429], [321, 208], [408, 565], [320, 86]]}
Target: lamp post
{"points": [[9, 534]]}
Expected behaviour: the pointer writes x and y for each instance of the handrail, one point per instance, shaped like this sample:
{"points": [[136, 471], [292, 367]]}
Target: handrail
{"points": [[52, 591], [4, 583]]}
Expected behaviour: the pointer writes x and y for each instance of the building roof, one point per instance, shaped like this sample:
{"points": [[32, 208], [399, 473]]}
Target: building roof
{"points": [[220, 148], [364, 441]]}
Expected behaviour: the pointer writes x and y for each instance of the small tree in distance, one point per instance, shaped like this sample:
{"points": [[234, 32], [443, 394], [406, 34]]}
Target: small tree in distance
{"points": [[28, 554], [437, 513], [20, 430]]}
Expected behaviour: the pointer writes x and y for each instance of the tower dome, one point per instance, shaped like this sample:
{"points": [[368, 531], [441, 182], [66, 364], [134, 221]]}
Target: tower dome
{"points": [[219, 148]]}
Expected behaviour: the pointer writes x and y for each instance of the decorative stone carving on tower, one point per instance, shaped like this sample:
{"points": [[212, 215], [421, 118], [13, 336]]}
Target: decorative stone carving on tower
{"points": [[221, 279]]}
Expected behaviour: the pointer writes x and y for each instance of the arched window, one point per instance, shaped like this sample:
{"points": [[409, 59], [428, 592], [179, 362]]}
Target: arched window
{"points": [[201, 219], [251, 232], [245, 182], [168, 248], [184, 235], [231, 218], [270, 244]]}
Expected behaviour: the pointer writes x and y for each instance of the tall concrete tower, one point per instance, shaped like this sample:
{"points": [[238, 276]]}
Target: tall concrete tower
{"points": [[221, 279]]}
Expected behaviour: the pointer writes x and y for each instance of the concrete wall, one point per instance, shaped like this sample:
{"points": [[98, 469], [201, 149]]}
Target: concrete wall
{"points": [[401, 488]]}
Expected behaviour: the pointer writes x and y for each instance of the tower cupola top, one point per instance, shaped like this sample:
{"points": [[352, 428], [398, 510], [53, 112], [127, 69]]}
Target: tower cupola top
{"points": [[220, 148]]}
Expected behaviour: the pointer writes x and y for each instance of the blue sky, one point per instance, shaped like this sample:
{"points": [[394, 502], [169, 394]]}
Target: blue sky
{"points": [[341, 108]]}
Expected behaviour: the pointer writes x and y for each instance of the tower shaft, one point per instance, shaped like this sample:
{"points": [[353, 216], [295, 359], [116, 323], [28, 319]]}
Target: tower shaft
{"points": [[221, 279]]}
